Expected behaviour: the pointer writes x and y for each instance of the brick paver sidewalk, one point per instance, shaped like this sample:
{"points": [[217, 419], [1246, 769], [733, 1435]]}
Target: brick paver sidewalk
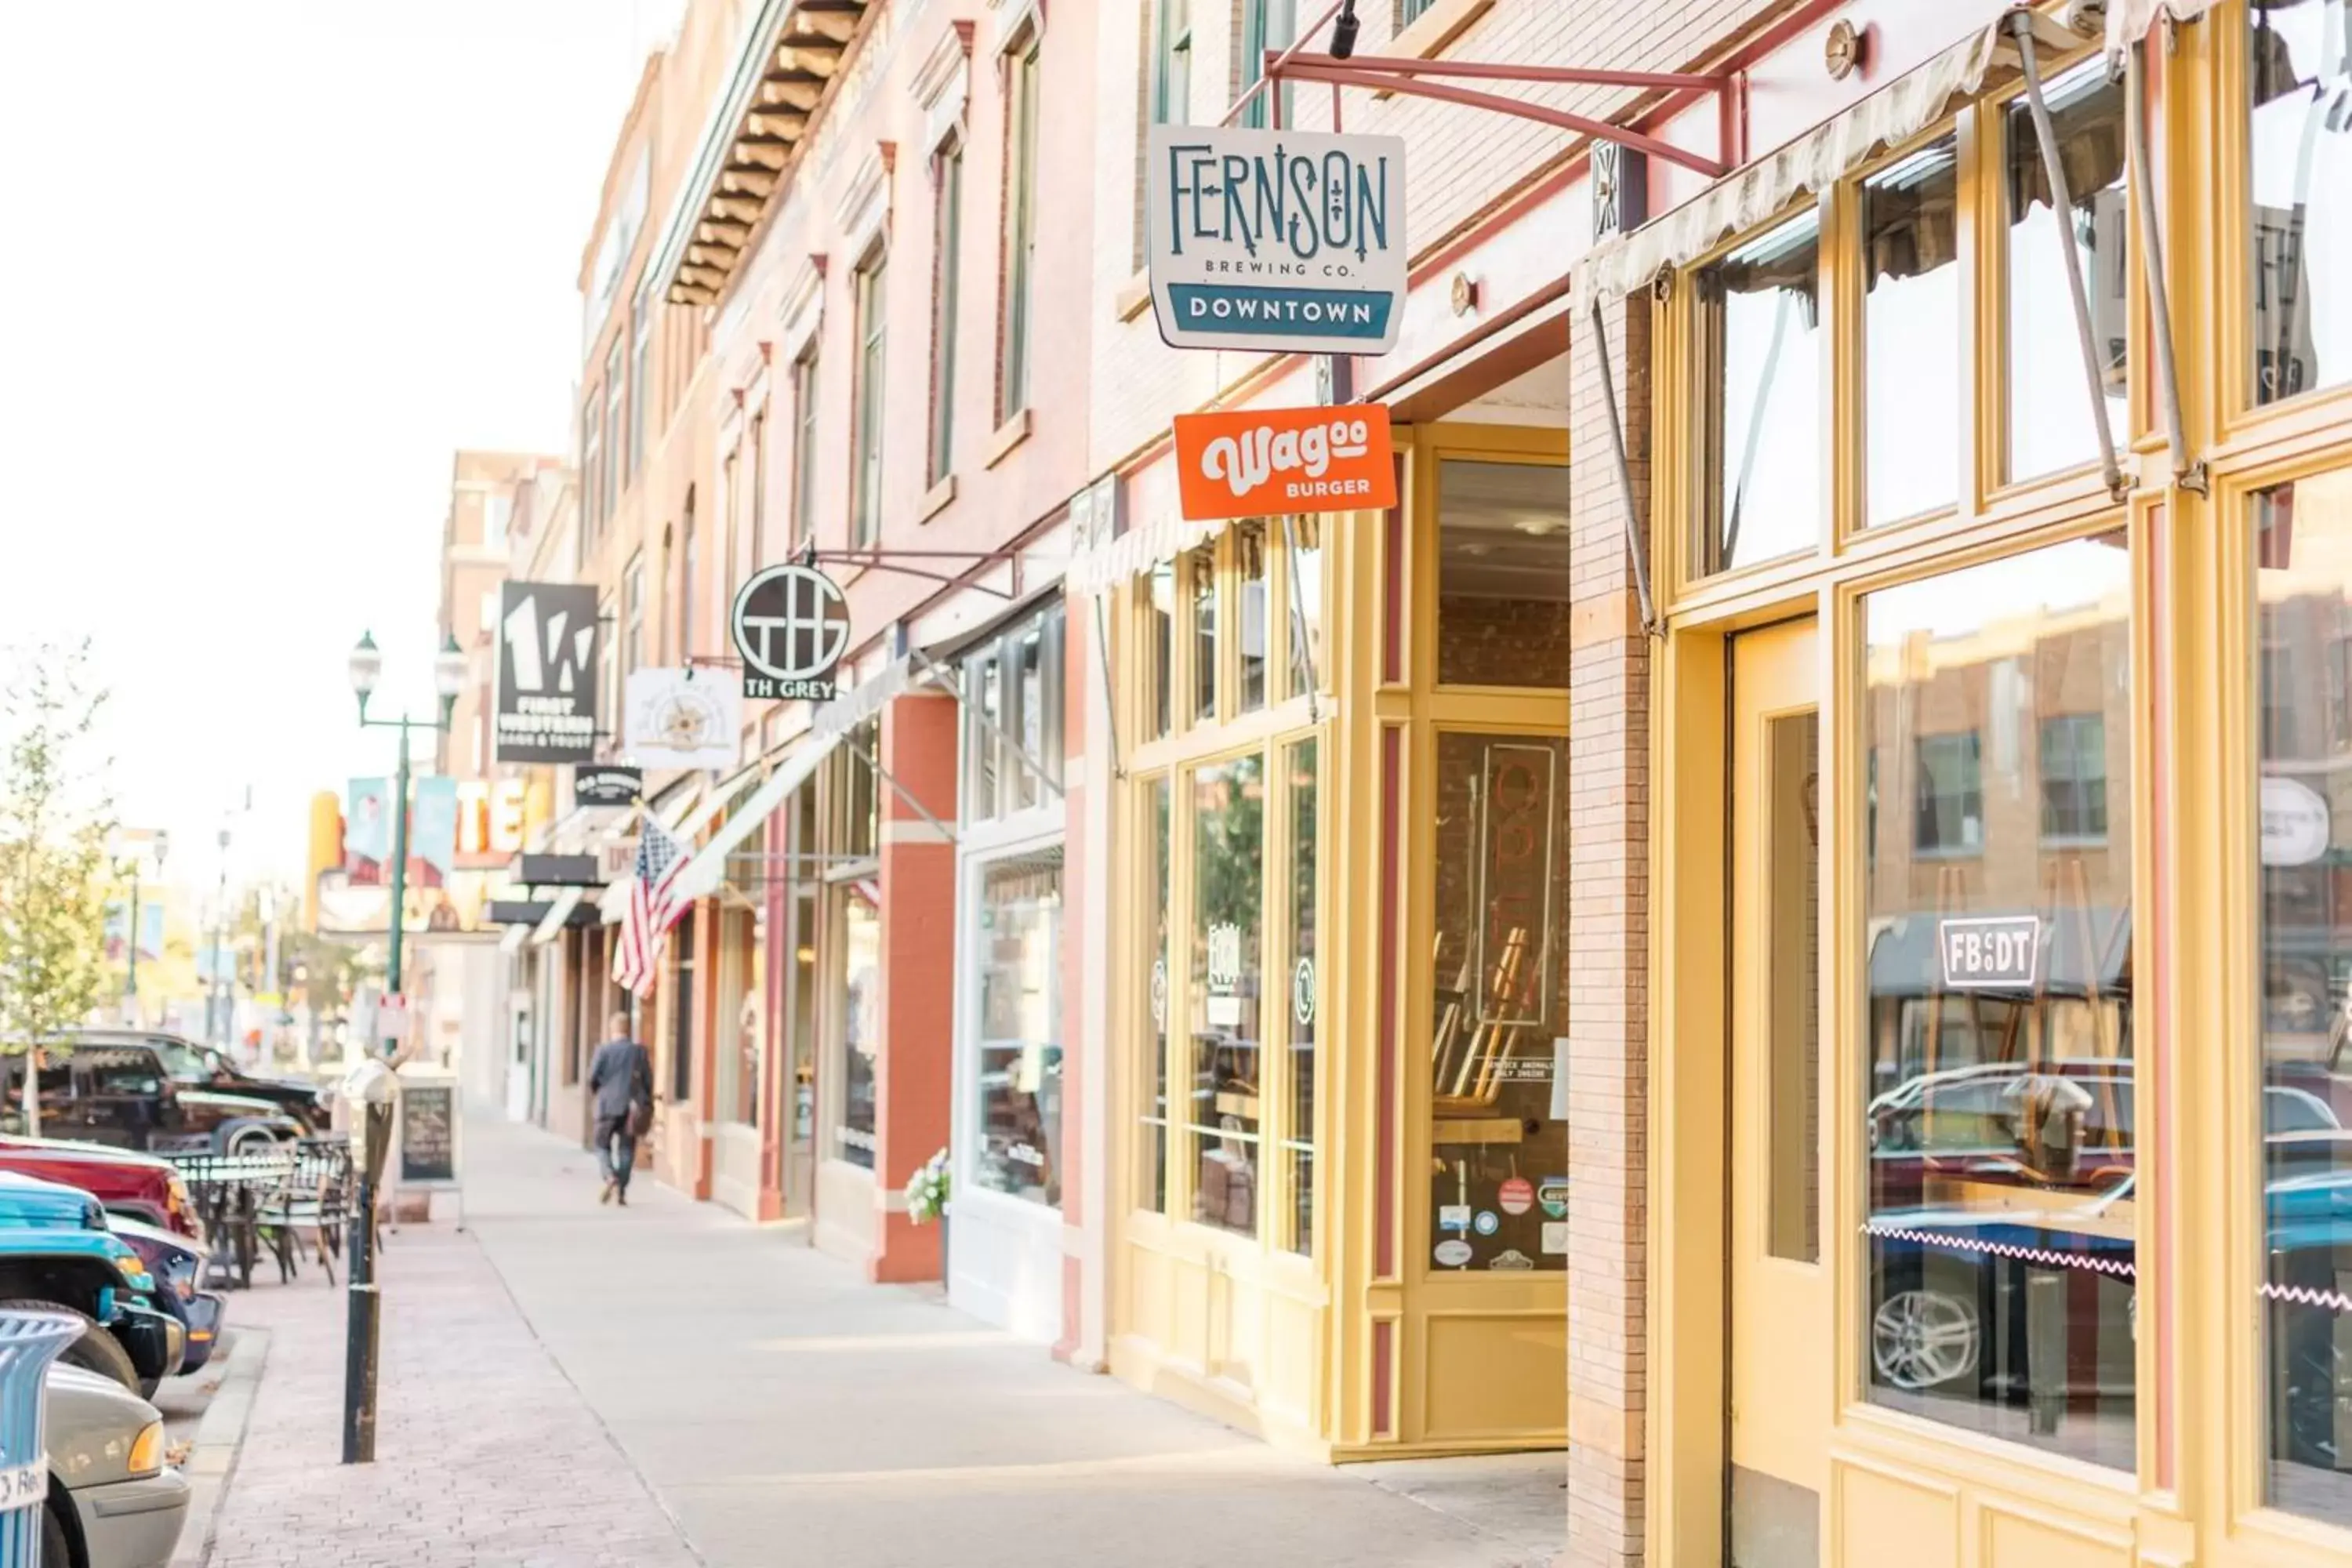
{"points": [[486, 1455]]}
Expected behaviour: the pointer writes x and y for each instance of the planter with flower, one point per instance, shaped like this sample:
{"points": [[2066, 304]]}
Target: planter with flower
{"points": [[928, 1192]]}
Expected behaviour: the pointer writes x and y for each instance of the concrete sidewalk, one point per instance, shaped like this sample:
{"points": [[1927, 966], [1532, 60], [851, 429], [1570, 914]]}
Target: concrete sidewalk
{"points": [[665, 1384]]}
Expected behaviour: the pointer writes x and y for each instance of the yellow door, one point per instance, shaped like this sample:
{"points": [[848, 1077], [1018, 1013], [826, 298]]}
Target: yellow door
{"points": [[1779, 1300]]}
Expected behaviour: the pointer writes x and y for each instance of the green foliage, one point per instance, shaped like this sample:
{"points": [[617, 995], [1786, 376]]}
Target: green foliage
{"points": [[56, 813]]}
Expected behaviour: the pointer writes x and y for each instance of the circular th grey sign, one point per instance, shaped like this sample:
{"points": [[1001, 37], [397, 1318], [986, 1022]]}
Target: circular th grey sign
{"points": [[791, 626]]}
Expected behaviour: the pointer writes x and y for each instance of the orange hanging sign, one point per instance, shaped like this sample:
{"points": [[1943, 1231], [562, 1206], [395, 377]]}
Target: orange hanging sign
{"points": [[1265, 462]]}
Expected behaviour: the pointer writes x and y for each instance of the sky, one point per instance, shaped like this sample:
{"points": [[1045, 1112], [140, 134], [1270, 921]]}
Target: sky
{"points": [[265, 265]]}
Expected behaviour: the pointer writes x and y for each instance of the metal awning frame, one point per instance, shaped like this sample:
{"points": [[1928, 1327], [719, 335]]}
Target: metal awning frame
{"points": [[946, 679]]}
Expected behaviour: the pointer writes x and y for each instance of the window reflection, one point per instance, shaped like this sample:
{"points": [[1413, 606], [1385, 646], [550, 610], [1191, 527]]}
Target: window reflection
{"points": [[1201, 588], [2051, 423], [1760, 326], [1250, 589], [1502, 573], [861, 1031], [1999, 1048], [1499, 1198], [1019, 944], [1911, 335], [1159, 649], [1152, 1191], [2303, 543], [2299, 79], [1303, 992], [1228, 901], [1307, 601]]}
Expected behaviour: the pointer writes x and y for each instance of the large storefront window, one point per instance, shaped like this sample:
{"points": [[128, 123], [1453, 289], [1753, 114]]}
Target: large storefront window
{"points": [[2299, 79], [1999, 1021], [1502, 573], [2051, 423], [1227, 989], [861, 1024], [1159, 651], [1911, 335], [1019, 939], [2304, 544], [749, 932], [1154, 1141], [1499, 1197], [1251, 579], [1762, 402], [1305, 607]]}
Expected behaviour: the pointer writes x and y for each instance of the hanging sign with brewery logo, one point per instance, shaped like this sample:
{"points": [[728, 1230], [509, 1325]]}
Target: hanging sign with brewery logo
{"points": [[1269, 462], [546, 709], [682, 719], [791, 626], [1277, 241]]}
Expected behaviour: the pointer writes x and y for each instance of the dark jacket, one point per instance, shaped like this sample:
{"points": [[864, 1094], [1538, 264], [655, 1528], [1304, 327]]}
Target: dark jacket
{"points": [[620, 1075]]}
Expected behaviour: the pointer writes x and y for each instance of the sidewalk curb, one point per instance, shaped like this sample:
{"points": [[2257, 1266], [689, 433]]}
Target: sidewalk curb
{"points": [[219, 1436]]}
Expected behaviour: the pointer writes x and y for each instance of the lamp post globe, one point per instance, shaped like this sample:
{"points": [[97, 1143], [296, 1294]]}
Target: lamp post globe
{"points": [[366, 668]]}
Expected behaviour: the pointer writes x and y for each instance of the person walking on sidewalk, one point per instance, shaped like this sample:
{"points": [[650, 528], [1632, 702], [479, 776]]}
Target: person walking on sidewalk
{"points": [[621, 1076]]}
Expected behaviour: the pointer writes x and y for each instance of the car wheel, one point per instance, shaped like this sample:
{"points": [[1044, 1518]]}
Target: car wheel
{"points": [[56, 1546], [97, 1350], [1923, 1338]]}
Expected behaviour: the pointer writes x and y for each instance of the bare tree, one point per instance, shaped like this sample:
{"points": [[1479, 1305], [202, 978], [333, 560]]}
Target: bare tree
{"points": [[56, 812]]}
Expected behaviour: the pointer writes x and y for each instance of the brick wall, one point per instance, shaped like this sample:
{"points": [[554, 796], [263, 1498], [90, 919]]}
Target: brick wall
{"points": [[1607, 948]]}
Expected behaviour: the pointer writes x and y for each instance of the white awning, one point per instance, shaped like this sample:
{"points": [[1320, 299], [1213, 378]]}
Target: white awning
{"points": [[511, 943], [2129, 20], [1099, 568], [708, 870], [557, 913], [861, 702], [1818, 159]]}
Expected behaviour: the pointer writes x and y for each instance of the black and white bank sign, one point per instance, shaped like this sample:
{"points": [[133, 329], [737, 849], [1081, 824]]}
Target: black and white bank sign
{"points": [[1285, 241], [791, 626], [547, 673]]}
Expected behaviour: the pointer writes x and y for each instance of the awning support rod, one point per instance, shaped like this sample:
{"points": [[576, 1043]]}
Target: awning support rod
{"points": [[2021, 25], [955, 689], [1110, 698], [2187, 472], [871, 760], [1300, 649], [1634, 529]]}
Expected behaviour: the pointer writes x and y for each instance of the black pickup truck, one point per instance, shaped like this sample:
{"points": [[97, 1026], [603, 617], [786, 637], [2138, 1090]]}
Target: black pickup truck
{"points": [[121, 1093], [195, 1064]]}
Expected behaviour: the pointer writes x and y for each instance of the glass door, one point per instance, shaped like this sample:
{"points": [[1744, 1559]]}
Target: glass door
{"points": [[1779, 1296]]}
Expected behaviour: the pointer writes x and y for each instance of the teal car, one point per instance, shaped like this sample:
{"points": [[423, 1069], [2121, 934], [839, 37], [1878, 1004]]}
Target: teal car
{"points": [[56, 1253]]}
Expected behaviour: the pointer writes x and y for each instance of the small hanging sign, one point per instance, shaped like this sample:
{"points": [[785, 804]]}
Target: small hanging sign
{"points": [[791, 626], [1273, 461]]}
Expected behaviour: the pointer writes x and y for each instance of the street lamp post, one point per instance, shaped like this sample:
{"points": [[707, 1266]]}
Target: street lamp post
{"points": [[372, 1093], [129, 866]]}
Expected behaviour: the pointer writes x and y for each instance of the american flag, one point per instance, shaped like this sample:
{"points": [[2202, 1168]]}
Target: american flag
{"points": [[645, 925]]}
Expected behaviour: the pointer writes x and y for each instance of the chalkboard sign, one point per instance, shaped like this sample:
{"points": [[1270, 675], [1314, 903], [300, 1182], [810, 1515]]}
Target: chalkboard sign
{"points": [[428, 1132]]}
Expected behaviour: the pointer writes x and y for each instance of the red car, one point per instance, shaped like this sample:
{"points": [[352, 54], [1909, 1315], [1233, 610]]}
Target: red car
{"points": [[139, 1185]]}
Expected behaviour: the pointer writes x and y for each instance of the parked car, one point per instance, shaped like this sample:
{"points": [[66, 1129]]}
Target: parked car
{"points": [[195, 1065], [178, 1265], [113, 1502], [57, 1253], [122, 1095], [137, 1186]]}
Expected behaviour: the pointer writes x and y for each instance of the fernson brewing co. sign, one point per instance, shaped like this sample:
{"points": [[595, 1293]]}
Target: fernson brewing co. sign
{"points": [[1280, 241]]}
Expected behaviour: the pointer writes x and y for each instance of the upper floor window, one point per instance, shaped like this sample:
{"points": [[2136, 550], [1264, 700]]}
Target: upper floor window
{"points": [[1020, 225], [592, 462], [1171, 62], [946, 194], [1949, 794], [804, 411], [641, 356], [689, 586], [1410, 10], [1762, 404], [2299, 82], [873, 321], [2053, 424], [614, 390], [755, 541], [1266, 25], [2075, 777], [497, 516], [632, 613]]}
